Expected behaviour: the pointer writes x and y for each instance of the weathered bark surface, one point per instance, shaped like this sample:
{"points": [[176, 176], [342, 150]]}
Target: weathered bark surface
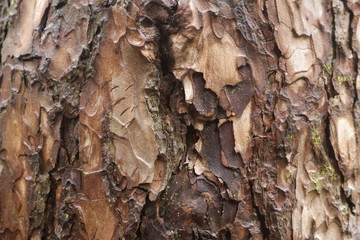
{"points": [[188, 119]]}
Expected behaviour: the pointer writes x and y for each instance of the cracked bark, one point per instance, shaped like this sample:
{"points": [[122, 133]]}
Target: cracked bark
{"points": [[183, 119]]}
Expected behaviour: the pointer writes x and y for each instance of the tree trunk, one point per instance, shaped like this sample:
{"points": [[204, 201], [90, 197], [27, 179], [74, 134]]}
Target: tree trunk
{"points": [[188, 119]]}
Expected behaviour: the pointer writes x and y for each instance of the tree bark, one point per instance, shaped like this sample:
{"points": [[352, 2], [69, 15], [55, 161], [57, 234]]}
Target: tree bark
{"points": [[179, 119]]}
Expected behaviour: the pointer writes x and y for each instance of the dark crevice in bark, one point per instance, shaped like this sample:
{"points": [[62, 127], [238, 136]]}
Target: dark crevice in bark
{"points": [[50, 211], [333, 36], [68, 138], [328, 68], [165, 88], [329, 148], [332, 158], [166, 59], [263, 228], [330, 90], [354, 53], [277, 51], [66, 159], [43, 21], [59, 3], [4, 21], [348, 201], [141, 217], [109, 3]]}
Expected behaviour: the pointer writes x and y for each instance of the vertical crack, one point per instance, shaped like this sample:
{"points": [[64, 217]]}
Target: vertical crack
{"points": [[43, 21], [50, 210], [354, 53], [263, 228], [332, 159]]}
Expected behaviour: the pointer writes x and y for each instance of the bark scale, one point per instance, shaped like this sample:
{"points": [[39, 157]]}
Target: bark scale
{"points": [[186, 119]]}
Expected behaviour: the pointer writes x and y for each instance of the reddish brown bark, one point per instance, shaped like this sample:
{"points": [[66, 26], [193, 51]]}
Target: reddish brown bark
{"points": [[183, 119]]}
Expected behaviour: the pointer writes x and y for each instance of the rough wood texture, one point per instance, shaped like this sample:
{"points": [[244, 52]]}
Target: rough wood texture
{"points": [[179, 119]]}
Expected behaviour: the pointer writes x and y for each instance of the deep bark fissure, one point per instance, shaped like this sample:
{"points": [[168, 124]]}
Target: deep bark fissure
{"points": [[263, 227], [60, 3], [50, 211]]}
